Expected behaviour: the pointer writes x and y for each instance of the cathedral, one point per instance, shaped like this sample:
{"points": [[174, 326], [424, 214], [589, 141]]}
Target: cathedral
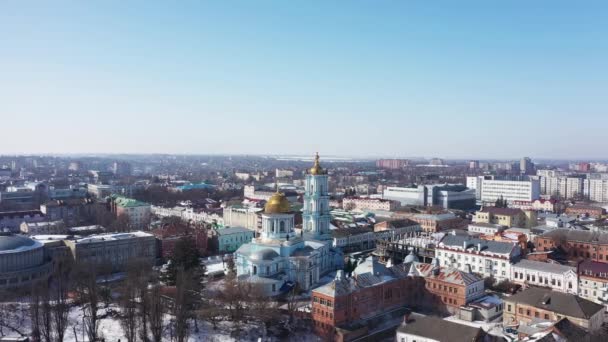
{"points": [[281, 257]]}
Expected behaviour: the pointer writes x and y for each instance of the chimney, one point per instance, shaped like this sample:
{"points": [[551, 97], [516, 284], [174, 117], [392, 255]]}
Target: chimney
{"points": [[406, 316]]}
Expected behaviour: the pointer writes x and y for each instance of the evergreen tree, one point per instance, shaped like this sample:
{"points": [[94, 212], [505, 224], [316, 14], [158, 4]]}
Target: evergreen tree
{"points": [[185, 257]]}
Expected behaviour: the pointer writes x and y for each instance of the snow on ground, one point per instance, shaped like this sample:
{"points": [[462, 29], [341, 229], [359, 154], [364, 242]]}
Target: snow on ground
{"points": [[111, 330]]}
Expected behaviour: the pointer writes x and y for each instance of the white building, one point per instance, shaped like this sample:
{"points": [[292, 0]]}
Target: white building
{"points": [[596, 190], [488, 258], [492, 190], [537, 273], [44, 227], [362, 203], [485, 228], [280, 173]]}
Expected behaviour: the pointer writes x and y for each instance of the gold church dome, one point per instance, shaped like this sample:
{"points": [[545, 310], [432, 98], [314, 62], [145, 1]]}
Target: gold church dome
{"points": [[316, 169], [277, 204]]}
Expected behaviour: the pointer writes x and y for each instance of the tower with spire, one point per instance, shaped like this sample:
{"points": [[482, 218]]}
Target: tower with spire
{"points": [[315, 216]]}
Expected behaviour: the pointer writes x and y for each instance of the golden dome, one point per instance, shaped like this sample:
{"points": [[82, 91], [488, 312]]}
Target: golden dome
{"points": [[277, 204], [316, 169]]}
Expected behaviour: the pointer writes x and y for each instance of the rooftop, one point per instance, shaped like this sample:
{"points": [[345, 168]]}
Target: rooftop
{"points": [[577, 235], [438, 329], [459, 241], [501, 211], [544, 266], [560, 303], [129, 202], [233, 230], [113, 237]]}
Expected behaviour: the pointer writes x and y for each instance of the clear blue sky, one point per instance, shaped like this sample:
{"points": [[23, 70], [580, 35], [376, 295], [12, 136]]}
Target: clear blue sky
{"points": [[395, 78]]}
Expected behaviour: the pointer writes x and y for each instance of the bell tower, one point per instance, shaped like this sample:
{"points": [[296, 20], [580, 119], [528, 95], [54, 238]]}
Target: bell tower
{"points": [[315, 216]]}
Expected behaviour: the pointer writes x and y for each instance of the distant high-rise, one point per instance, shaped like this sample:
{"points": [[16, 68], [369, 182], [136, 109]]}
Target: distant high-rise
{"points": [[526, 166], [392, 163], [474, 164], [122, 169]]}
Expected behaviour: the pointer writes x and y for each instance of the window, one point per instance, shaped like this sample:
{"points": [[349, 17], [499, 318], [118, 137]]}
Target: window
{"points": [[528, 312], [536, 314], [546, 316], [521, 311], [509, 307], [274, 287]]}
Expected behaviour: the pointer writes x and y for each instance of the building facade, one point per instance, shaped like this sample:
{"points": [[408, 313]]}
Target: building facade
{"points": [[231, 238], [543, 304], [362, 204], [138, 212], [557, 277], [114, 250], [487, 258], [22, 262], [593, 281]]}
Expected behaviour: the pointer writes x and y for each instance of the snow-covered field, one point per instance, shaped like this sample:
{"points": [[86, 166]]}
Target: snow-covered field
{"points": [[16, 315]]}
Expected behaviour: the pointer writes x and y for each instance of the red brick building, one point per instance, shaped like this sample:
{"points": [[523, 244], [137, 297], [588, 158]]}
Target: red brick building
{"points": [[578, 244], [375, 289], [585, 210], [439, 222], [170, 234]]}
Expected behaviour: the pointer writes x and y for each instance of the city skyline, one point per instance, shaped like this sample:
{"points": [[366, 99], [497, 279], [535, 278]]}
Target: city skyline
{"points": [[473, 80]]}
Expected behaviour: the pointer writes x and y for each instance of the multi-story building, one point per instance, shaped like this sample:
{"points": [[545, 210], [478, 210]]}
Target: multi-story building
{"points": [[44, 227], [114, 250], [593, 281], [596, 190], [438, 222], [578, 244], [537, 273], [12, 220], [363, 203], [121, 168], [484, 257], [448, 196], [71, 211], [562, 186], [585, 210], [509, 190], [526, 166], [100, 191], [506, 217], [138, 212], [393, 164], [353, 239], [545, 205], [22, 262], [240, 216], [537, 303], [169, 235], [282, 173], [485, 228], [375, 289], [451, 288], [231, 238]]}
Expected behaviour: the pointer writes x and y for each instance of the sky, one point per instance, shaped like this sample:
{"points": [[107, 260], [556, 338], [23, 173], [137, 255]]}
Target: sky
{"points": [[451, 79]]}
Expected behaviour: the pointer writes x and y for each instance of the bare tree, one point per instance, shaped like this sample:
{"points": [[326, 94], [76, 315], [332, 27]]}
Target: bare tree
{"points": [[128, 318], [155, 313], [292, 302], [87, 291], [183, 305], [61, 308]]}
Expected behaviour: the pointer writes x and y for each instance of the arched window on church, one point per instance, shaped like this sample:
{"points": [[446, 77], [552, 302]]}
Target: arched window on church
{"points": [[255, 270], [282, 225]]}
